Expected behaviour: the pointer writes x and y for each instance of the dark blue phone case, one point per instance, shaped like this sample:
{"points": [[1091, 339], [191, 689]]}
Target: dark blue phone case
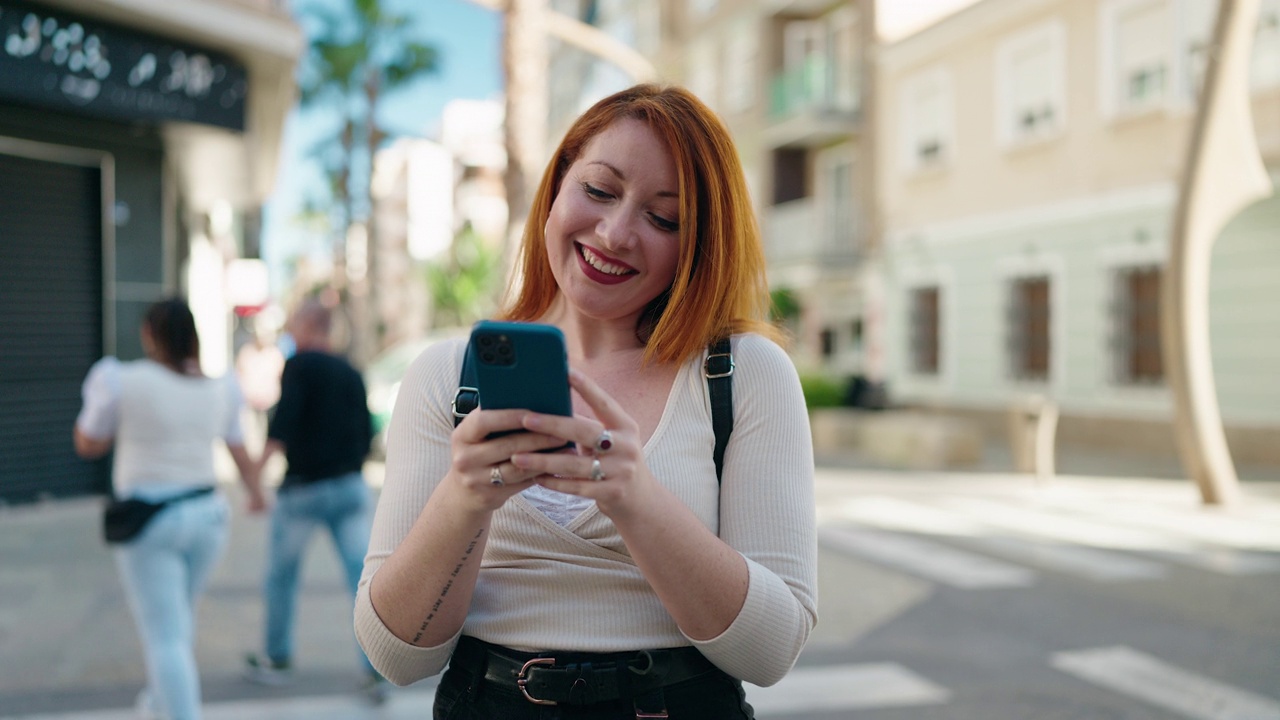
{"points": [[521, 366]]}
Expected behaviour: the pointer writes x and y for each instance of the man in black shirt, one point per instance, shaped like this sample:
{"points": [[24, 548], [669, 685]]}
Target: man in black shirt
{"points": [[323, 427]]}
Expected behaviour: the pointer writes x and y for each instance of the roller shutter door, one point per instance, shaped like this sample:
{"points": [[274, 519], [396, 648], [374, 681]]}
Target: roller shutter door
{"points": [[50, 323]]}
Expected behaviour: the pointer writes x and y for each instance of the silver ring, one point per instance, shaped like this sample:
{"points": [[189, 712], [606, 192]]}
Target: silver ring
{"points": [[596, 473], [605, 442], [495, 477]]}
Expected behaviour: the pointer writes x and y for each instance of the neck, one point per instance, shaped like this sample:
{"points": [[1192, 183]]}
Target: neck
{"points": [[589, 338]]}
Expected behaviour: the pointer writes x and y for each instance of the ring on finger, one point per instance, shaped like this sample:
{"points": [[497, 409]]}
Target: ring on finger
{"points": [[495, 476], [597, 474], [604, 442]]}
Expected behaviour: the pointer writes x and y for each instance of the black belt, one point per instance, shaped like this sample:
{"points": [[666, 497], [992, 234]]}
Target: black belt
{"points": [[577, 678]]}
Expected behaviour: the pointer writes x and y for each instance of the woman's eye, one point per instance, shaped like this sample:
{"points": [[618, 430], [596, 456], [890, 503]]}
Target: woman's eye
{"points": [[595, 192], [664, 224]]}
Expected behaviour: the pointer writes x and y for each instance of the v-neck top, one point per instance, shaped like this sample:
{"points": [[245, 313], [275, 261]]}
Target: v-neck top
{"points": [[543, 585]]}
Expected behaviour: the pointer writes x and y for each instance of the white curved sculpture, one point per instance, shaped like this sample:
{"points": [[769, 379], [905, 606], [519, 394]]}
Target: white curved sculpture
{"points": [[1223, 173]]}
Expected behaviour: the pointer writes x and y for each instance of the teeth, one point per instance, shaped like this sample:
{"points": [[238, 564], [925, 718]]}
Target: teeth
{"points": [[598, 263]]}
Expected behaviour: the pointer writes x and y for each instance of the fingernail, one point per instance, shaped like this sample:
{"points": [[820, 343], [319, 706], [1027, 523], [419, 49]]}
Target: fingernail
{"points": [[519, 460]]}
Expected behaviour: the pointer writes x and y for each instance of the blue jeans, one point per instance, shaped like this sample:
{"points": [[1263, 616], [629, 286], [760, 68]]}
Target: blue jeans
{"points": [[342, 505], [164, 571]]}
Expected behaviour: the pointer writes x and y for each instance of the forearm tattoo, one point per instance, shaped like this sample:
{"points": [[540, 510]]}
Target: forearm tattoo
{"points": [[444, 592]]}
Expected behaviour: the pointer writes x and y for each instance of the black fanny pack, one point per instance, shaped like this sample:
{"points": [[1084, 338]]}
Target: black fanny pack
{"points": [[123, 520]]}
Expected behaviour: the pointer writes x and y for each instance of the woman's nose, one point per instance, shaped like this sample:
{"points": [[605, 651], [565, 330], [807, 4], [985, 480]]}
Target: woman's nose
{"points": [[616, 229]]}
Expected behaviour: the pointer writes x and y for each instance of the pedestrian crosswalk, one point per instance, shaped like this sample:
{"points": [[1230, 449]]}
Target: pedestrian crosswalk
{"points": [[1186, 693], [822, 689], [970, 539], [963, 539]]}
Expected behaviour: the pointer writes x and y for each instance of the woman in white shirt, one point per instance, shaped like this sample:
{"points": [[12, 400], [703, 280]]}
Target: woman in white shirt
{"points": [[622, 580], [162, 415]]}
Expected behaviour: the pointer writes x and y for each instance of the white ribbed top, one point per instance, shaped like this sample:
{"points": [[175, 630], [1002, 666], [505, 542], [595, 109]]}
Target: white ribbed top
{"points": [[164, 424], [544, 586]]}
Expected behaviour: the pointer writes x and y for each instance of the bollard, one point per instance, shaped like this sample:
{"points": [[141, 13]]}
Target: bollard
{"points": [[1033, 425]]}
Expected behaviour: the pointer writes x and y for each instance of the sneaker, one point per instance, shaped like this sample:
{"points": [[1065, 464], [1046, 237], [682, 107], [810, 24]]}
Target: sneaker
{"points": [[264, 671], [145, 707], [375, 689]]}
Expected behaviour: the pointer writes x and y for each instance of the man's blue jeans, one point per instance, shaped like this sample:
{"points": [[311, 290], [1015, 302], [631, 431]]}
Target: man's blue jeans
{"points": [[342, 505], [164, 571]]}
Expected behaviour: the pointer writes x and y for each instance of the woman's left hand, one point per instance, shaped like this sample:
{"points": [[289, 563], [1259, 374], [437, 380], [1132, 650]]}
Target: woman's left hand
{"points": [[621, 471]]}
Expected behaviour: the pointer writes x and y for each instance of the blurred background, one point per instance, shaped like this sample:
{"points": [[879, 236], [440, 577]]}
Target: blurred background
{"points": [[967, 205], [970, 210]]}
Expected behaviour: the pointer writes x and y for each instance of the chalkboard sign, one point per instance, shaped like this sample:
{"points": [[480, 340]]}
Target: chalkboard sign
{"points": [[62, 61]]}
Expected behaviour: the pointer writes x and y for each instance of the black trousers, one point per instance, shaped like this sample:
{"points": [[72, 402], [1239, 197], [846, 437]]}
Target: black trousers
{"points": [[465, 694]]}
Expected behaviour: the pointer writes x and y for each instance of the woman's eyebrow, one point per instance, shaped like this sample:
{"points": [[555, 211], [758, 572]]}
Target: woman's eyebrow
{"points": [[622, 176]]}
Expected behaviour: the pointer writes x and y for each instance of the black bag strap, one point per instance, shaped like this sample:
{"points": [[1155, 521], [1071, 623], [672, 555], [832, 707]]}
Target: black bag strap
{"points": [[718, 370], [468, 396]]}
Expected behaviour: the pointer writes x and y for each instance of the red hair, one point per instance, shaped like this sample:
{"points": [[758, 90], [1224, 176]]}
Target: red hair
{"points": [[720, 287]]}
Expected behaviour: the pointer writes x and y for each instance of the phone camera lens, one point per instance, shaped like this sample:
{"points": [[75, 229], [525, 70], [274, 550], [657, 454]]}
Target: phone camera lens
{"points": [[488, 357], [486, 341]]}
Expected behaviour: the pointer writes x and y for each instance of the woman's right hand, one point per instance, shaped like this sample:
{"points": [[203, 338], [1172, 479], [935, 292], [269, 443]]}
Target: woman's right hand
{"points": [[481, 465]]}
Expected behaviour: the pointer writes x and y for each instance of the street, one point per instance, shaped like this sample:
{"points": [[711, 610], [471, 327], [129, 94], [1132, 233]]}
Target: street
{"points": [[965, 597]]}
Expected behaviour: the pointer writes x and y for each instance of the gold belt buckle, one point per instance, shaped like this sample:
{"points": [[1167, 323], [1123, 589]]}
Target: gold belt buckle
{"points": [[522, 680]]}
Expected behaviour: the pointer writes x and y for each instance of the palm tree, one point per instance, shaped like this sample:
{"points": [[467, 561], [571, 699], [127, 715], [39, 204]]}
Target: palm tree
{"points": [[359, 53]]}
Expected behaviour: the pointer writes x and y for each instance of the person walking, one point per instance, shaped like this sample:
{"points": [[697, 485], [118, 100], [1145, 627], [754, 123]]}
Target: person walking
{"points": [[645, 574], [323, 427], [162, 415]]}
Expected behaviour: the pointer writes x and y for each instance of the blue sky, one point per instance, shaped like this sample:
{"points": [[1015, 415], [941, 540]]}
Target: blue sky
{"points": [[468, 38]]}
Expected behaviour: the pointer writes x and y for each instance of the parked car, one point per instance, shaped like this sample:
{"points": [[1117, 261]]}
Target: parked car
{"points": [[383, 375]]}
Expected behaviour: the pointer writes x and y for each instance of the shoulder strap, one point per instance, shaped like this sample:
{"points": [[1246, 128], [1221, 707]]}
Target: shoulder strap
{"points": [[468, 396], [719, 371]]}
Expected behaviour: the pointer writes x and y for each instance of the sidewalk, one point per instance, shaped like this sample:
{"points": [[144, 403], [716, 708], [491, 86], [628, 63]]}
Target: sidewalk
{"points": [[68, 649]]}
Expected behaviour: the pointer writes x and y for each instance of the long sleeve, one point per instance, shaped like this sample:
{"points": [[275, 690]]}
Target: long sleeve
{"points": [[418, 456], [767, 513]]}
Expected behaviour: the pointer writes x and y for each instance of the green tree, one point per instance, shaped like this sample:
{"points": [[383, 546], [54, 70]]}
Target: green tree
{"points": [[359, 53], [462, 281]]}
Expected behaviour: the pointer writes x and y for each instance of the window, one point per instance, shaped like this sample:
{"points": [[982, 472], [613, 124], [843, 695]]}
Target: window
{"points": [[845, 64], [702, 71], [790, 175], [1142, 32], [925, 330], [741, 53], [1265, 72], [703, 8], [1029, 328], [827, 339], [926, 112], [1031, 68], [839, 215], [1135, 326], [1197, 18]]}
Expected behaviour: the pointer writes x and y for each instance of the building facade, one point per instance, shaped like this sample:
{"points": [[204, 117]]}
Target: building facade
{"points": [[1029, 170], [137, 143]]}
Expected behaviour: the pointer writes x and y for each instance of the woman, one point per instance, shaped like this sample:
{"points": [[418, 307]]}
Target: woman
{"points": [[162, 415], [650, 590]]}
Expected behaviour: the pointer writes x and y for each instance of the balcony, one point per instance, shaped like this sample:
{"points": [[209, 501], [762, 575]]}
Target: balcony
{"points": [[802, 242], [806, 8], [807, 108]]}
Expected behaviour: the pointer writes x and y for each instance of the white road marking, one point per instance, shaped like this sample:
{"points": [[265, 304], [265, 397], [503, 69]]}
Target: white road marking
{"points": [[845, 687], [1142, 676], [932, 561], [1086, 562]]}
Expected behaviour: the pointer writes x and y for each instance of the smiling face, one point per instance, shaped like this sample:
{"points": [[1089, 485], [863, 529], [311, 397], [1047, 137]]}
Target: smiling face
{"points": [[612, 236]]}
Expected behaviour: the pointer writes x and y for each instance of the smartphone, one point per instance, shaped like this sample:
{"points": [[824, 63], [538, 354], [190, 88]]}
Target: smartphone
{"points": [[521, 366]]}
